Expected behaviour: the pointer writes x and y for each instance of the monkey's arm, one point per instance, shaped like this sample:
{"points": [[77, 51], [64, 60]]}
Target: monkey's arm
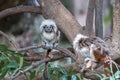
{"points": [[55, 43]]}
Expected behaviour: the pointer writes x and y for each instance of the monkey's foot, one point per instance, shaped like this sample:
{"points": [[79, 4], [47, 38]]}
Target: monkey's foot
{"points": [[55, 44], [87, 65], [83, 69], [88, 62], [51, 46]]}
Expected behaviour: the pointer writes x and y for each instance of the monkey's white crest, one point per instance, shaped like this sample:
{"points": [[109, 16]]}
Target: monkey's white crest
{"points": [[49, 33], [77, 39], [76, 44]]}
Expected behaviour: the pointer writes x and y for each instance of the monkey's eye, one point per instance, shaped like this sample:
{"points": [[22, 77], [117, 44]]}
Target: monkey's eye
{"points": [[44, 26], [51, 26]]}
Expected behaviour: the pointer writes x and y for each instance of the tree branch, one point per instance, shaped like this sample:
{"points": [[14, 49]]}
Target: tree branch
{"points": [[19, 9], [55, 56], [60, 49], [73, 56], [9, 39], [28, 48]]}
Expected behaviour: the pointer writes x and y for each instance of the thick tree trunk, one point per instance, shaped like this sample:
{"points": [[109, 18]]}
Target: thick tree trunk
{"points": [[98, 18], [116, 27], [89, 20]]}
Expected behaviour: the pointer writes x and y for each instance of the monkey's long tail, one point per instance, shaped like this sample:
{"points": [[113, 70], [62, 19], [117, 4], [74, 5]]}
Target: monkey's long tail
{"points": [[46, 65]]}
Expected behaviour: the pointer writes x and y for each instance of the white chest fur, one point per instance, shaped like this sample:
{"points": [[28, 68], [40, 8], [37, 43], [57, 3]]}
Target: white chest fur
{"points": [[49, 36]]}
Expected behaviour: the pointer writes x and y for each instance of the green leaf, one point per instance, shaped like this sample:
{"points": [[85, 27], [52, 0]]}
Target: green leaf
{"points": [[75, 77], [49, 73], [32, 75], [98, 75], [104, 77], [70, 70], [3, 72], [117, 74], [62, 70], [2, 58], [112, 78], [69, 77], [3, 47], [107, 69], [13, 64], [40, 68], [21, 62], [64, 77], [3, 54]]}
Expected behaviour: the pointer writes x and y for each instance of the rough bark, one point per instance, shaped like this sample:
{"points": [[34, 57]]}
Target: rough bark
{"points": [[89, 20], [64, 19], [116, 28], [98, 18]]}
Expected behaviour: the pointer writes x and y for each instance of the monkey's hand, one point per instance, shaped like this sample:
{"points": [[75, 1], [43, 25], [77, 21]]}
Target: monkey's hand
{"points": [[88, 64], [47, 45]]}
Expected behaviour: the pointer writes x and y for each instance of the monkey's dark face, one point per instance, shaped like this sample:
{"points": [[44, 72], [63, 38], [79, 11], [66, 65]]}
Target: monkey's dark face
{"points": [[48, 29], [48, 26]]}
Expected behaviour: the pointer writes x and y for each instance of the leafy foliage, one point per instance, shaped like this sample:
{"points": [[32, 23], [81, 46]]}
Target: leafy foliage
{"points": [[10, 61], [115, 76], [59, 73]]}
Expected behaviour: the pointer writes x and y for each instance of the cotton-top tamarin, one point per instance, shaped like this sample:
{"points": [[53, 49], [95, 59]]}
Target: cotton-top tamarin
{"points": [[49, 33]]}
